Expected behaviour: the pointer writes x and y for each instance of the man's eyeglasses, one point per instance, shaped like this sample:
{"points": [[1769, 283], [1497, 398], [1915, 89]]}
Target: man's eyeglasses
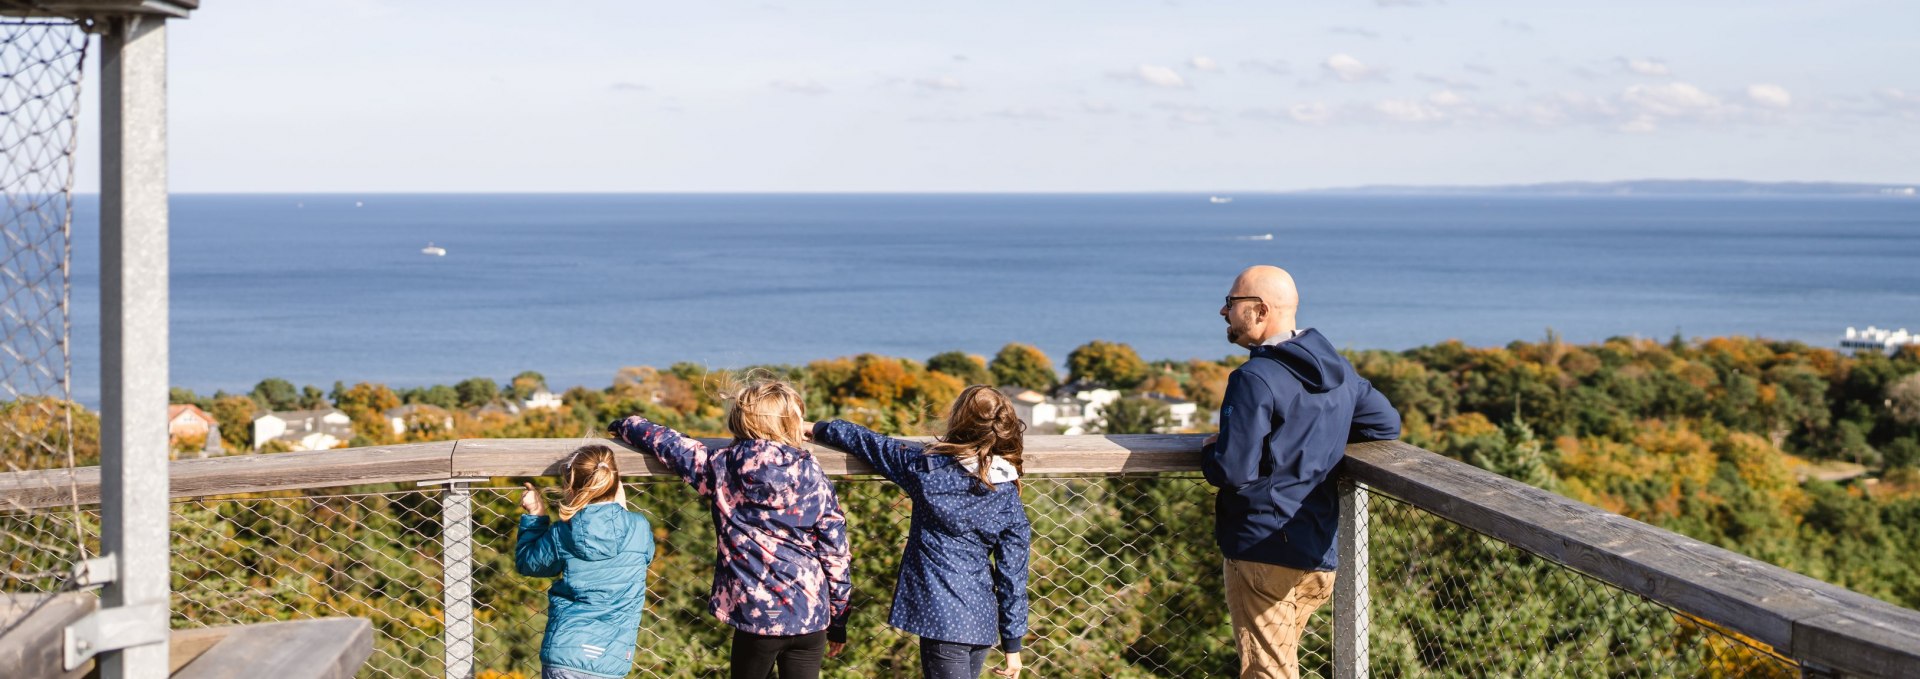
{"points": [[1232, 299]]}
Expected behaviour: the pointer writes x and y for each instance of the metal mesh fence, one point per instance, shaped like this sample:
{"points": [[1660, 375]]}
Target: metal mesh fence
{"points": [[40, 73], [1114, 583], [1125, 582], [1450, 602]]}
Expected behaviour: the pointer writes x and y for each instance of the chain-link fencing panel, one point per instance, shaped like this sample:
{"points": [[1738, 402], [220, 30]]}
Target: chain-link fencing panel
{"points": [[1124, 582], [40, 75], [1451, 602], [292, 556]]}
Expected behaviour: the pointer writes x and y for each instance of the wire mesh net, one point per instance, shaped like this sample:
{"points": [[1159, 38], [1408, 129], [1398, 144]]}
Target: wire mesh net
{"points": [[1450, 602], [1112, 583], [40, 74], [1125, 582]]}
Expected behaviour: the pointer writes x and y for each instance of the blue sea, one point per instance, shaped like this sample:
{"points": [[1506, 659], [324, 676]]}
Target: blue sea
{"points": [[318, 288]]}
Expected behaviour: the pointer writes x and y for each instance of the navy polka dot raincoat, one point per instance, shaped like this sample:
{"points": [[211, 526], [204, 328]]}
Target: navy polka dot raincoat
{"points": [[963, 578]]}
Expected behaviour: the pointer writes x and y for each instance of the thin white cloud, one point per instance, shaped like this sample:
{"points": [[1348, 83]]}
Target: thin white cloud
{"points": [[1445, 82], [1904, 103], [945, 83], [1348, 69], [1650, 67], [1157, 76], [1099, 108], [1204, 64], [629, 87], [1355, 31], [1769, 95], [1025, 113], [1516, 26], [805, 86], [1670, 100], [1267, 66], [1447, 99], [1408, 111]]}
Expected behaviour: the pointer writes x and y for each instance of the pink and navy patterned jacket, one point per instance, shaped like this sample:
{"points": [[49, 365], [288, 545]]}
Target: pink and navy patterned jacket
{"points": [[781, 561]]}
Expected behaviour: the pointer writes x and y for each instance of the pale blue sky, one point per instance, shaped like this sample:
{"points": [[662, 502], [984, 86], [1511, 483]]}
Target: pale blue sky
{"points": [[1117, 95]]}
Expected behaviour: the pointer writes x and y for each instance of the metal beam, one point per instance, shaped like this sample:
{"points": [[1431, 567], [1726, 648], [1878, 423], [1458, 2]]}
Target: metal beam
{"points": [[133, 331], [1352, 588]]}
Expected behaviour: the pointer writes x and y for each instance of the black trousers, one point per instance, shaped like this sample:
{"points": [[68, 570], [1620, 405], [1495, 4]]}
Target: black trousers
{"points": [[948, 660], [797, 657]]}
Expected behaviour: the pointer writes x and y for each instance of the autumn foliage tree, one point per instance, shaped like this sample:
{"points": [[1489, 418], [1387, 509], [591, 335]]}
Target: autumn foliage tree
{"points": [[1111, 363], [1022, 365], [962, 366]]}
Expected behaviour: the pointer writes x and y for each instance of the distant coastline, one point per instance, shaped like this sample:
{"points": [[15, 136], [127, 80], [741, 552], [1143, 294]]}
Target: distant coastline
{"points": [[1640, 187]]}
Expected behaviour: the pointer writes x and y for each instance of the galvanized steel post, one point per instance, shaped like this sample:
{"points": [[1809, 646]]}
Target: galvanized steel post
{"points": [[456, 577], [133, 333], [1351, 607]]}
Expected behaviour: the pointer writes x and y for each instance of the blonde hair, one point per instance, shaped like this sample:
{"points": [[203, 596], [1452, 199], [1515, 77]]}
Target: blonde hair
{"points": [[982, 424], [592, 476], [765, 409]]}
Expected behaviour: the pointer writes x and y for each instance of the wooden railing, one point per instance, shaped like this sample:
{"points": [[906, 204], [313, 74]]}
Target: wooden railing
{"points": [[1829, 630]]}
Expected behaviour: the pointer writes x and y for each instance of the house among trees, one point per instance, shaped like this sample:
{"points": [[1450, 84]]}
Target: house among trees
{"points": [[303, 429], [542, 400], [186, 421], [1180, 410], [418, 416], [1071, 409]]}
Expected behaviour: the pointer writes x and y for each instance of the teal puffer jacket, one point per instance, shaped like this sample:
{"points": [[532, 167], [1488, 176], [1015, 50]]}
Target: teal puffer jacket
{"points": [[593, 610]]}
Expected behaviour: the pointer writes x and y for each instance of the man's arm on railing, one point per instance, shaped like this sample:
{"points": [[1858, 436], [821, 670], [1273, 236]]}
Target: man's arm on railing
{"points": [[1374, 418], [1234, 458], [687, 457]]}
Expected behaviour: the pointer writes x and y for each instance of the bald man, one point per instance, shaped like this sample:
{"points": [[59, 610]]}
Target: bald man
{"points": [[1288, 415]]}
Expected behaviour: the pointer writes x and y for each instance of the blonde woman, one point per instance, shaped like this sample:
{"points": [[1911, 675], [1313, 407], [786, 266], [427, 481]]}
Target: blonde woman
{"points": [[963, 578], [600, 552], [780, 575]]}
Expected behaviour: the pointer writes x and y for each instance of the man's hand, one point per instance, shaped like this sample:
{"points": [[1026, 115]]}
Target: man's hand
{"points": [[532, 502], [834, 648], [1211, 439], [1013, 666]]}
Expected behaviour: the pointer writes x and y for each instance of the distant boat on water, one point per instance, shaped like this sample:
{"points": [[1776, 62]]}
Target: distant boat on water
{"points": [[432, 250], [1217, 200], [1264, 236]]}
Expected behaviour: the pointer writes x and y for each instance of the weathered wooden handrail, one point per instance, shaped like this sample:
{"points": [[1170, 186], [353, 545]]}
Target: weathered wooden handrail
{"points": [[1816, 623], [443, 460]]}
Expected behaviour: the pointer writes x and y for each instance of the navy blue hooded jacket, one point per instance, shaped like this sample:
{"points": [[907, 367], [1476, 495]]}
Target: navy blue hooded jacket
{"points": [[1288, 415], [963, 577]]}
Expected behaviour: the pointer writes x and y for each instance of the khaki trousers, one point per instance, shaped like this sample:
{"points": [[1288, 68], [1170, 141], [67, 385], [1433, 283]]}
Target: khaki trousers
{"points": [[1270, 606]]}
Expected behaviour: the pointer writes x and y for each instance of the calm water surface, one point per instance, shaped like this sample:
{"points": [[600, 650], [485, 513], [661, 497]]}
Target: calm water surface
{"points": [[313, 288]]}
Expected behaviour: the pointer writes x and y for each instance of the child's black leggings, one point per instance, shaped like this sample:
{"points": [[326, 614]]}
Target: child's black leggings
{"points": [[798, 657]]}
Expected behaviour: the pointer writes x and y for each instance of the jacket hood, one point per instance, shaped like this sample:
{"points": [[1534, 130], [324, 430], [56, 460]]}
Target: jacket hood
{"points": [[597, 531], [765, 473], [1311, 359], [1000, 471]]}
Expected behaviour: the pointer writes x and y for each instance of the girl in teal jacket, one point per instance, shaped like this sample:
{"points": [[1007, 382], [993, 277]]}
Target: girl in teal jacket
{"points": [[600, 552]]}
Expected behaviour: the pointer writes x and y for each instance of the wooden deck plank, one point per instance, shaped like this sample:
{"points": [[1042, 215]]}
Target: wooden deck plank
{"points": [[323, 648], [31, 646]]}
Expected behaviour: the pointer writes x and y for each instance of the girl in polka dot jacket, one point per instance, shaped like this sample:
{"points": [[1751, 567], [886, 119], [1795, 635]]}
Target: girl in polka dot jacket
{"points": [[967, 544], [780, 574]]}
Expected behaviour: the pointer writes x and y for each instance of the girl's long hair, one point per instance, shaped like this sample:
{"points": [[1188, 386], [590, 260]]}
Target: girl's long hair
{"points": [[765, 409], [592, 476], [981, 425]]}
